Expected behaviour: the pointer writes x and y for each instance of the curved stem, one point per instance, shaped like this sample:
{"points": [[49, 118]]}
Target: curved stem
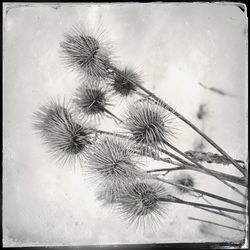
{"points": [[113, 115], [205, 169], [224, 214], [196, 204], [187, 165], [231, 178], [217, 197], [166, 106]]}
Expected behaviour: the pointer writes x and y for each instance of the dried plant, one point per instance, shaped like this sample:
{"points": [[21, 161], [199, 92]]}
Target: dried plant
{"points": [[91, 100], [124, 87], [86, 52], [185, 180], [149, 124], [210, 157], [112, 159], [107, 193], [140, 202], [66, 139], [116, 160]]}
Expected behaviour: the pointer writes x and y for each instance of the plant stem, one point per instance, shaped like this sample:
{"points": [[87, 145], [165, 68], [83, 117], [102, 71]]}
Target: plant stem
{"points": [[113, 115], [196, 204], [217, 197], [224, 214], [205, 169], [166, 106], [164, 169], [111, 133], [187, 165], [210, 157], [228, 177], [216, 224]]}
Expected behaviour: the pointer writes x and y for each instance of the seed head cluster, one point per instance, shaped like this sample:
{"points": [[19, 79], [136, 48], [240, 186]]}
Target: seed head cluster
{"points": [[111, 160]]}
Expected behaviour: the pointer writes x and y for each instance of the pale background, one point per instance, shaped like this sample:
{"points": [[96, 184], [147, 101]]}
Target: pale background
{"points": [[174, 46]]}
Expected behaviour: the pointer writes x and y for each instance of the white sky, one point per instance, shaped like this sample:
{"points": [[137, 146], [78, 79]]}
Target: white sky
{"points": [[174, 46]]}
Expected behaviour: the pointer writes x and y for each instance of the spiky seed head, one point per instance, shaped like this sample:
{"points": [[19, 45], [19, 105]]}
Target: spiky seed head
{"points": [[91, 100], [140, 202], [149, 124], [186, 180], [66, 139], [85, 52], [122, 85], [107, 193], [111, 159]]}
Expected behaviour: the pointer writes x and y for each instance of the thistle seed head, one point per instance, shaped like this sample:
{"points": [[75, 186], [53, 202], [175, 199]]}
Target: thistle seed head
{"points": [[112, 160], [107, 194], [91, 100], [140, 201], [149, 124], [122, 86], [85, 52], [66, 139], [186, 180]]}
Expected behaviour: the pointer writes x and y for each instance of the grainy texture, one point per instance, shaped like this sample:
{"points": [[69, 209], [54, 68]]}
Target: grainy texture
{"points": [[173, 47]]}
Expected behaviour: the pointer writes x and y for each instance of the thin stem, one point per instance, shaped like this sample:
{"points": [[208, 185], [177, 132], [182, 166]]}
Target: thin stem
{"points": [[228, 177], [113, 115], [207, 170], [224, 214], [165, 169], [111, 133], [204, 193], [187, 165], [216, 224], [231, 178], [196, 204], [217, 197], [210, 157], [166, 106], [144, 96]]}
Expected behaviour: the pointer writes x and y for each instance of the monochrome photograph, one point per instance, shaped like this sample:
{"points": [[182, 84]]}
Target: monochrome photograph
{"points": [[125, 123]]}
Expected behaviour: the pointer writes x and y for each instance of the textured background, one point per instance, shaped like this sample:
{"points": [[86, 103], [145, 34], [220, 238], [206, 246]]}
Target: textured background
{"points": [[174, 46]]}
